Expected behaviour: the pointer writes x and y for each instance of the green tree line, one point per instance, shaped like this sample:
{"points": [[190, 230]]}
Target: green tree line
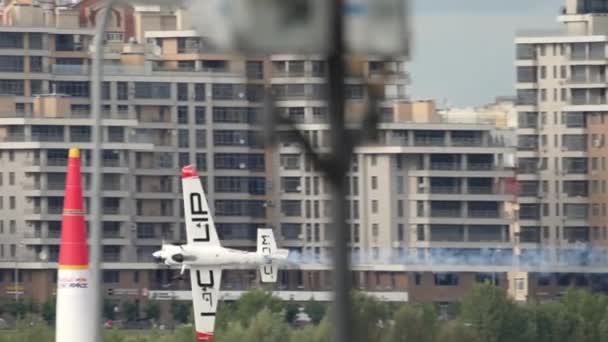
{"points": [[486, 315]]}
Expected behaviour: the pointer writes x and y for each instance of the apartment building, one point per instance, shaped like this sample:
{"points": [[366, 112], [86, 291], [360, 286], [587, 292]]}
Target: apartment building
{"points": [[561, 156], [426, 188]]}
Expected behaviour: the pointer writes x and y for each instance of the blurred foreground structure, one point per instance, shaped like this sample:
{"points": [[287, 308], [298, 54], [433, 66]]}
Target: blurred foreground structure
{"points": [[426, 186]]}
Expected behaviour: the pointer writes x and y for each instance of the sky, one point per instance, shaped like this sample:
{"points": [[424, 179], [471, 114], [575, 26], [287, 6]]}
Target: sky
{"points": [[463, 51]]}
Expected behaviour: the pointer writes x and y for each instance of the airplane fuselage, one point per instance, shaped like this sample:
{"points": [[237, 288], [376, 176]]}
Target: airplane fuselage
{"points": [[221, 256], [212, 256]]}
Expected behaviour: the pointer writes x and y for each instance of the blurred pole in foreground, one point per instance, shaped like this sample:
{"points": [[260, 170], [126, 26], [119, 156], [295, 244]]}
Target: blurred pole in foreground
{"points": [[336, 171], [95, 225]]}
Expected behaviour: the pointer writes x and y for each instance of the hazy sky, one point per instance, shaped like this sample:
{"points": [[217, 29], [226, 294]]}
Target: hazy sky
{"points": [[463, 50]]}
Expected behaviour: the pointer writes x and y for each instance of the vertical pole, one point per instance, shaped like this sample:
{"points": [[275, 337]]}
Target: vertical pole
{"points": [[341, 150], [16, 276], [95, 208]]}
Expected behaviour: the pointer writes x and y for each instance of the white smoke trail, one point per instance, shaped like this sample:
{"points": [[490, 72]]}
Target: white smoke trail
{"points": [[575, 259]]}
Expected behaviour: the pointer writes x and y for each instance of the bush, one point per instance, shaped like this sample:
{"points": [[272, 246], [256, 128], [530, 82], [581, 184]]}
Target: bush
{"points": [[316, 311], [152, 310], [49, 310], [181, 312], [130, 311]]}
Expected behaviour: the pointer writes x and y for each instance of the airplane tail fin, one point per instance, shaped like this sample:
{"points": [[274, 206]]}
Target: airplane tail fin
{"points": [[267, 247]]}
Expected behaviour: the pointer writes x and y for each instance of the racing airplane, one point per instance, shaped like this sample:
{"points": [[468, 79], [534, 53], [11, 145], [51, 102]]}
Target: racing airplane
{"points": [[205, 257]]}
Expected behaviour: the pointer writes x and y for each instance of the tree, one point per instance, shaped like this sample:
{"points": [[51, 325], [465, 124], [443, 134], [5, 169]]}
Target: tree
{"points": [[180, 312], [315, 310], [253, 302], [49, 310], [291, 311], [588, 310], [267, 326], [108, 309], [369, 317], [152, 310], [494, 316], [455, 331], [130, 311], [413, 323]]}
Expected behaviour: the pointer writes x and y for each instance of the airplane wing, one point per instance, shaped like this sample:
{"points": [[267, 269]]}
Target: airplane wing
{"points": [[205, 292], [200, 229]]}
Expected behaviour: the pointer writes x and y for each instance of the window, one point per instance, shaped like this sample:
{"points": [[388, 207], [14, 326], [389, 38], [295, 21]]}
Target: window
{"points": [[199, 115], [374, 183], [400, 232], [255, 70], [35, 41], [36, 87], [152, 90], [291, 231], [182, 138], [355, 233], [182, 115], [252, 162], [375, 231], [420, 232], [12, 226], [250, 208], [184, 159], [354, 91], [446, 279], [11, 201], [417, 278], [291, 208], [11, 178], [12, 87], [11, 63], [201, 161], [199, 92], [235, 115], [182, 91], [374, 206], [111, 277], [201, 138], [11, 40], [400, 208], [122, 91]]}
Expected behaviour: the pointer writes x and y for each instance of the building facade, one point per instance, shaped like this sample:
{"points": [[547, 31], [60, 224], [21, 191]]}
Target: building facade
{"points": [[427, 191], [561, 158]]}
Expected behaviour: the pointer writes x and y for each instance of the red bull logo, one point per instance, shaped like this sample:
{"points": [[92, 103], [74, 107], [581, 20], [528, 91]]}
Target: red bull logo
{"points": [[79, 282]]}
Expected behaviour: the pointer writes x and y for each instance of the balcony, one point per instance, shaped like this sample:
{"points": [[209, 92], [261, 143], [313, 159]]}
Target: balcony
{"points": [[480, 166], [111, 257], [446, 166], [481, 190], [13, 137], [446, 213], [48, 137], [482, 213], [445, 190], [112, 210], [467, 142], [429, 141]]}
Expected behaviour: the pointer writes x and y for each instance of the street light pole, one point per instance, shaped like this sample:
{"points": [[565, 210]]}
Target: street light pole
{"points": [[341, 149], [95, 209]]}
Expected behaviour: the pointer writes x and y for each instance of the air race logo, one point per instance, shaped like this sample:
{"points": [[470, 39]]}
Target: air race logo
{"points": [[72, 282]]}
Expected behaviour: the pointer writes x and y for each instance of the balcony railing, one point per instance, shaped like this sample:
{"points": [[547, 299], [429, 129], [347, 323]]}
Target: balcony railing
{"points": [[480, 166], [468, 142], [481, 190], [445, 213], [111, 257], [429, 141], [446, 166], [480, 213], [445, 190]]}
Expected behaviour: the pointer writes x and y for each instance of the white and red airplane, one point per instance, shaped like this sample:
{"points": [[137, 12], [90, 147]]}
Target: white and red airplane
{"points": [[205, 257]]}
